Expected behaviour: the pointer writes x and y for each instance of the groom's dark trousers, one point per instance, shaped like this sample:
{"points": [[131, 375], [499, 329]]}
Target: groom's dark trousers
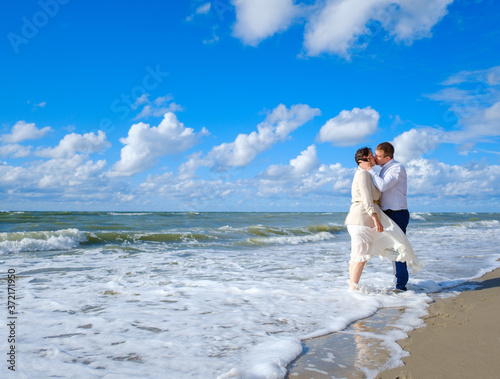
{"points": [[401, 218]]}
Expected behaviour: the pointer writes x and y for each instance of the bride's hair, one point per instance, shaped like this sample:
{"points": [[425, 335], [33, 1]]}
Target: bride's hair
{"points": [[362, 155]]}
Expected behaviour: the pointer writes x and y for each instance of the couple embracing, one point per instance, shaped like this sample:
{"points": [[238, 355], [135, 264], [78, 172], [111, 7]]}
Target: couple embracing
{"points": [[378, 215]]}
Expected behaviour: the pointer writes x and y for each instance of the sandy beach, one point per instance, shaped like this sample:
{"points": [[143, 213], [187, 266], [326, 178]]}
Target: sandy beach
{"points": [[461, 339]]}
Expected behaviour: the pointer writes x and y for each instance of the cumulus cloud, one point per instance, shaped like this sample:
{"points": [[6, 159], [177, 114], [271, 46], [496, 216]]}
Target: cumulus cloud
{"points": [[416, 142], [192, 194], [243, 150], [74, 171], [350, 127], [75, 179], [322, 180], [441, 181], [23, 131], [335, 26], [257, 20], [304, 163], [145, 144], [75, 143], [64, 172]]}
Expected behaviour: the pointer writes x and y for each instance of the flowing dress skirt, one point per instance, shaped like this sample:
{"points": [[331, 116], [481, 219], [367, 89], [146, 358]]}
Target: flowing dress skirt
{"points": [[392, 244]]}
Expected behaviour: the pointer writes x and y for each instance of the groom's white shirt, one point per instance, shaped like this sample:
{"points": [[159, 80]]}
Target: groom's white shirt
{"points": [[392, 182]]}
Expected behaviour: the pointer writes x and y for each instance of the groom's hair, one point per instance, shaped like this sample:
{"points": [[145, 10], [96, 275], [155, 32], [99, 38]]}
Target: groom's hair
{"points": [[387, 149]]}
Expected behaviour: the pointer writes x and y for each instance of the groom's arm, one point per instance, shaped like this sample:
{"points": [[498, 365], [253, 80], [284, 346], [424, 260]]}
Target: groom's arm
{"points": [[388, 181]]}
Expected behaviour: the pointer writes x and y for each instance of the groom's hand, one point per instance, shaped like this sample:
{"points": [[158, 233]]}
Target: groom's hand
{"points": [[365, 166]]}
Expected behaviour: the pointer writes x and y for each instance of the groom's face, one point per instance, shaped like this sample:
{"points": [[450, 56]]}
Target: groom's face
{"points": [[380, 158]]}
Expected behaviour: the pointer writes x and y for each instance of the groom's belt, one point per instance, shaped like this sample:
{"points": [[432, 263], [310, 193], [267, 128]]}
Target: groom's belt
{"points": [[388, 211]]}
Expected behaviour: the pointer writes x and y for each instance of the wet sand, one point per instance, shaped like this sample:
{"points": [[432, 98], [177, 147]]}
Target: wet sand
{"points": [[461, 339]]}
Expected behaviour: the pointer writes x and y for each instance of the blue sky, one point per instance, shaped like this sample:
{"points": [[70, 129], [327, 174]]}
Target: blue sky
{"points": [[246, 105]]}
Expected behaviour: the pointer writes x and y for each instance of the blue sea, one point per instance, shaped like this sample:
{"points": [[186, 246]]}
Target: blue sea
{"points": [[211, 295]]}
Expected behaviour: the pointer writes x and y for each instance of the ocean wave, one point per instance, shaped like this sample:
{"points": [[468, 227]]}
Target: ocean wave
{"points": [[293, 240], [267, 231], [420, 215], [471, 223], [70, 238], [477, 223], [127, 213], [41, 241], [113, 237]]}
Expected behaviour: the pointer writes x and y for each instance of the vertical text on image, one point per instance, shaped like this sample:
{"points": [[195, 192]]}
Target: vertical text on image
{"points": [[11, 318]]}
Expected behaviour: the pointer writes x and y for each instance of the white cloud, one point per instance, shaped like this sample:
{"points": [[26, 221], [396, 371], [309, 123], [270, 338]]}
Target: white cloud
{"points": [[23, 131], [350, 127], [304, 176], [441, 181], [42, 104], [489, 76], [156, 108], [473, 98], [74, 171], [493, 113], [72, 179], [202, 9], [450, 95], [335, 26], [276, 127], [416, 142], [191, 194], [145, 144], [257, 20], [415, 19], [304, 163], [75, 143], [67, 171], [15, 151], [143, 99], [323, 181]]}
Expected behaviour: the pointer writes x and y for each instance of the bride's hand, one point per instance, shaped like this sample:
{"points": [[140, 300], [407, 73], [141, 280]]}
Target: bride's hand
{"points": [[378, 224]]}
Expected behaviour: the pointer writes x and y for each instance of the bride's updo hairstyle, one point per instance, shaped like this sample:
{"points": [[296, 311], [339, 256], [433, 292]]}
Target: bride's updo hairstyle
{"points": [[362, 155]]}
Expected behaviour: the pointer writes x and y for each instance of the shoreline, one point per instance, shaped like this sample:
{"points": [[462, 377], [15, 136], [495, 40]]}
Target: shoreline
{"points": [[460, 338]]}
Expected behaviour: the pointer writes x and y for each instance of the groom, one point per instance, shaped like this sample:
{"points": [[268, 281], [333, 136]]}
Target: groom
{"points": [[392, 182]]}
